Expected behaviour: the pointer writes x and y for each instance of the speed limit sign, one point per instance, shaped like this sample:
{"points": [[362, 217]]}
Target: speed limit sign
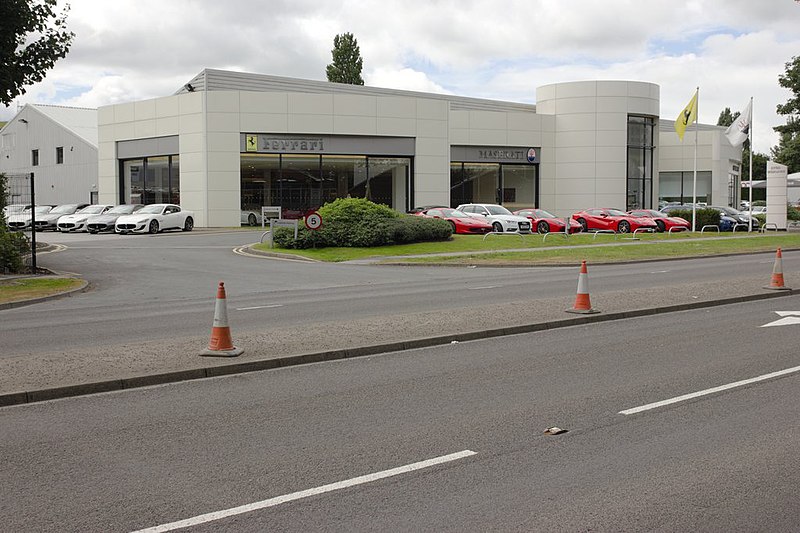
{"points": [[313, 220]]}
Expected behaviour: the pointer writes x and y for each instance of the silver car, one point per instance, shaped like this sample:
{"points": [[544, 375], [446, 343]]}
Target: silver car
{"points": [[21, 220], [77, 221], [106, 221], [50, 219]]}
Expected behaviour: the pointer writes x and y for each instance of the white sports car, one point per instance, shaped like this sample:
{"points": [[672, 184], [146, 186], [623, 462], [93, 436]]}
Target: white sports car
{"points": [[77, 221], [154, 218], [21, 220], [107, 221], [251, 217]]}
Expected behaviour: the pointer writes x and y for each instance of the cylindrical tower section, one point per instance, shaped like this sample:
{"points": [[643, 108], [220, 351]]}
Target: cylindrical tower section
{"points": [[603, 145]]}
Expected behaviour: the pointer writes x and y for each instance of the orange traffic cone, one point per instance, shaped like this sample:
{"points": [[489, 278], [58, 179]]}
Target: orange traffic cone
{"points": [[776, 283], [583, 305], [221, 343]]}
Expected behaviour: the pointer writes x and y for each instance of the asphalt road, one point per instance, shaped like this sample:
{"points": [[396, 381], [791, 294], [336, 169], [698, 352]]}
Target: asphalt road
{"points": [[162, 287], [725, 461]]}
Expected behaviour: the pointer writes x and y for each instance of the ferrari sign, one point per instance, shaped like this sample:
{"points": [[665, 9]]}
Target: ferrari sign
{"points": [[313, 220]]}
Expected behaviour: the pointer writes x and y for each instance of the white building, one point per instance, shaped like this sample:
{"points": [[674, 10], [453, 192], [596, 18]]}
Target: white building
{"points": [[229, 141], [59, 146]]}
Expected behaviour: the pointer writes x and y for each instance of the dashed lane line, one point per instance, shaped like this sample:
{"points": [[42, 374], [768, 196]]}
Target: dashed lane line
{"points": [[219, 515]]}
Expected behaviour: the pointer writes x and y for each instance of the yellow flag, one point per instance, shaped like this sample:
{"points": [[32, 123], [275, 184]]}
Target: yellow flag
{"points": [[687, 116]]}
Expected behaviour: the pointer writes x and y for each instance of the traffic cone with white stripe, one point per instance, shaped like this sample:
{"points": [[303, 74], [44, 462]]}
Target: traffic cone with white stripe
{"points": [[776, 283], [583, 305], [221, 344]]}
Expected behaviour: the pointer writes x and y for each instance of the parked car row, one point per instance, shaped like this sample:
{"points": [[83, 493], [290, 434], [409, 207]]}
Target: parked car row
{"points": [[729, 217], [485, 218], [96, 218]]}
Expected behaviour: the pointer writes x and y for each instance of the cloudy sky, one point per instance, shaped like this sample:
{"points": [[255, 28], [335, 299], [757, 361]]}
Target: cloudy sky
{"points": [[128, 50]]}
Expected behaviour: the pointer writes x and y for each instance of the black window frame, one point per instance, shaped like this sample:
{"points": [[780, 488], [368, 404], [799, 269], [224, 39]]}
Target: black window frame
{"points": [[645, 145]]}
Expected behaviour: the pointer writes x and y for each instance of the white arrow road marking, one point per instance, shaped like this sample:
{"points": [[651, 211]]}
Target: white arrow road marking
{"points": [[218, 515], [789, 318]]}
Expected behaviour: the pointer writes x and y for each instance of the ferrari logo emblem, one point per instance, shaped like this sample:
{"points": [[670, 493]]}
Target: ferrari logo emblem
{"points": [[251, 143]]}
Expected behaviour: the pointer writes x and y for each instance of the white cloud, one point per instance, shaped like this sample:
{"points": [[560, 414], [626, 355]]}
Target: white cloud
{"points": [[733, 49], [405, 79]]}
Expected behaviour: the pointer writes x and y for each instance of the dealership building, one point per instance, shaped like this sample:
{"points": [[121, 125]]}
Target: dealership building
{"points": [[231, 141]]}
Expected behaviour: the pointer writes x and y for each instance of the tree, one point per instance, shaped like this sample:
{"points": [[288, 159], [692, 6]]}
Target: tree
{"points": [[32, 38], [788, 150], [726, 118], [347, 61]]}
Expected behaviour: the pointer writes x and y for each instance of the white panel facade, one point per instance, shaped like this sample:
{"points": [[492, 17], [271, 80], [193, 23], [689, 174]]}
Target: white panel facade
{"points": [[579, 130], [589, 156], [34, 128]]}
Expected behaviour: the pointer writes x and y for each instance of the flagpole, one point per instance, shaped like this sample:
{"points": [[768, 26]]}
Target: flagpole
{"points": [[694, 179], [750, 137]]}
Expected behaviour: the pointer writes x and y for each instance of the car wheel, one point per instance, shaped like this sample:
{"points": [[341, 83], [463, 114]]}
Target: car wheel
{"points": [[251, 219], [153, 228], [497, 227], [543, 227], [583, 224], [452, 225], [189, 224], [661, 226], [92, 232], [624, 226]]}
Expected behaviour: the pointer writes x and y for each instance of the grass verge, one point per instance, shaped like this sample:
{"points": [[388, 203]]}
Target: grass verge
{"points": [[14, 290], [556, 249]]}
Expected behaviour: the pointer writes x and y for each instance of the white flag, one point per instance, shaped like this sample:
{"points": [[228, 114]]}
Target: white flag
{"points": [[738, 132]]}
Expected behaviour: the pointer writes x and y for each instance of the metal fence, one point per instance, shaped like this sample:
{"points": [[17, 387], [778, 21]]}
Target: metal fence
{"points": [[20, 192]]}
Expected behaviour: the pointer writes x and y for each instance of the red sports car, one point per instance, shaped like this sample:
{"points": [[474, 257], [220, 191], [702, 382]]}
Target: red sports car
{"points": [[545, 222], [663, 221], [612, 219], [461, 222]]}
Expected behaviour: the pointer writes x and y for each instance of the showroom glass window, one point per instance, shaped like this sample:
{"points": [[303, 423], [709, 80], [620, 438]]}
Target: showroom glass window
{"points": [[511, 185], [151, 180], [640, 162], [301, 182], [676, 187]]}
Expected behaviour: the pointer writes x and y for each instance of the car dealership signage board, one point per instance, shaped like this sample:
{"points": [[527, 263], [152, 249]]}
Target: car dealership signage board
{"points": [[777, 194], [277, 222]]}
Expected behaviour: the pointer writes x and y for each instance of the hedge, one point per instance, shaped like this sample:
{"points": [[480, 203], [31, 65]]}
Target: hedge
{"points": [[359, 223]]}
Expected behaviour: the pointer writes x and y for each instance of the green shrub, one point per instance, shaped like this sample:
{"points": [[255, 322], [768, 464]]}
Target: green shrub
{"points": [[355, 222], [705, 216], [13, 246], [792, 213], [410, 228], [283, 237], [359, 223]]}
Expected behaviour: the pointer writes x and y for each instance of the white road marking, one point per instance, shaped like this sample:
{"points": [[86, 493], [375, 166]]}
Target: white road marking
{"points": [[710, 391], [218, 515], [482, 288], [660, 272], [258, 307], [789, 318]]}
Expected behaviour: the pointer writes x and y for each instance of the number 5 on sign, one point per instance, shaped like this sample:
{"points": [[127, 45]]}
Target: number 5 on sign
{"points": [[313, 220]]}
